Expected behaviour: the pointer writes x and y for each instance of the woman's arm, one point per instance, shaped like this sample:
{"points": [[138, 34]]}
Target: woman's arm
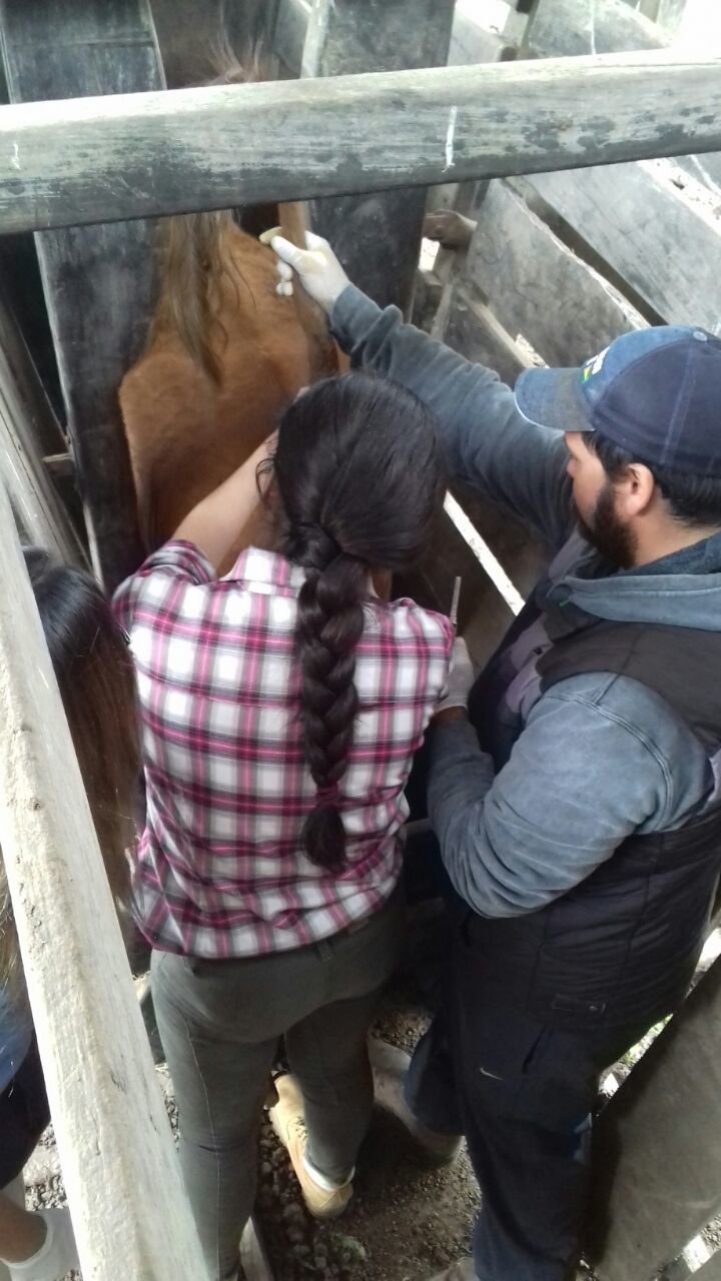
{"points": [[215, 525]]}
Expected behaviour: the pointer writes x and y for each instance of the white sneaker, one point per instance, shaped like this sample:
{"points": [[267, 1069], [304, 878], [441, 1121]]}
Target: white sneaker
{"points": [[390, 1066], [57, 1255]]}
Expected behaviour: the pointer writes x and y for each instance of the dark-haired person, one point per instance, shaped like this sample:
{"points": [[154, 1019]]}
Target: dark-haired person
{"points": [[577, 804], [281, 708], [95, 679]]}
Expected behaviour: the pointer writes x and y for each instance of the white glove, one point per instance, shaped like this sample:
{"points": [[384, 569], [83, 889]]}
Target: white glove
{"points": [[317, 266], [461, 677]]}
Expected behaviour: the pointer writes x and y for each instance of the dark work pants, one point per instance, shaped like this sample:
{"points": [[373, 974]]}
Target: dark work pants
{"points": [[522, 1092]]}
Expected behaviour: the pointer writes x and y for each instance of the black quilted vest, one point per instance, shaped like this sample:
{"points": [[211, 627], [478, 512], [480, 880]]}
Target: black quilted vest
{"points": [[622, 946]]}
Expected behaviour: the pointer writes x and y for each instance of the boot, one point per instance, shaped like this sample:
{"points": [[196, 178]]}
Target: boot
{"points": [[322, 1200]]}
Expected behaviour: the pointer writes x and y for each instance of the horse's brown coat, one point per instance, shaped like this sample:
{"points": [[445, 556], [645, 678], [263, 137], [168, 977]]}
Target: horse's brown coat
{"points": [[188, 427]]}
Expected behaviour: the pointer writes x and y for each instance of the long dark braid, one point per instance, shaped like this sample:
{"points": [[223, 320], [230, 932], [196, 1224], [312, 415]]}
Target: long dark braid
{"points": [[358, 481], [330, 624]]}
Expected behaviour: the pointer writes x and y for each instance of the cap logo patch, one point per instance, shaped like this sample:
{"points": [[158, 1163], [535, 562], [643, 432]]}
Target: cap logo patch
{"points": [[593, 366]]}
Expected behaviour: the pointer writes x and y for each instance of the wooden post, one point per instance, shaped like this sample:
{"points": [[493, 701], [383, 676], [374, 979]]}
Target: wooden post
{"points": [[377, 237], [27, 425], [97, 281], [118, 1160], [658, 1145], [143, 154]]}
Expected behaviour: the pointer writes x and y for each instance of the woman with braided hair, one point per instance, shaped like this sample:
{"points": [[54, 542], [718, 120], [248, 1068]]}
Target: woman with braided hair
{"points": [[282, 706]]}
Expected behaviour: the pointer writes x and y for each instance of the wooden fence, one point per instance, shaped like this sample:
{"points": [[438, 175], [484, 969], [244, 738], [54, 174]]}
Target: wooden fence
{"points": [[560, 262]]}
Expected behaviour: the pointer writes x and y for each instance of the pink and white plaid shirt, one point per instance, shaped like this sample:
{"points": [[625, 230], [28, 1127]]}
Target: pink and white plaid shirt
{"points": [[220, 870]]}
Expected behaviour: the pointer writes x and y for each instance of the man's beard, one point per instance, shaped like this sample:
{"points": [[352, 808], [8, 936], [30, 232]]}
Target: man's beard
{"points": [[613, 540]]}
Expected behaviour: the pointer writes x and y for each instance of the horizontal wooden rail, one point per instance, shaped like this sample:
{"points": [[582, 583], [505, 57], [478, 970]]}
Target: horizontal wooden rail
{"points": [[136, 155]]}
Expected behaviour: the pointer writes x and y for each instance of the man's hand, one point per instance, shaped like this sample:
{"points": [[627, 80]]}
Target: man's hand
{"points": [[450, 228], [320, 273], [460, 679]]}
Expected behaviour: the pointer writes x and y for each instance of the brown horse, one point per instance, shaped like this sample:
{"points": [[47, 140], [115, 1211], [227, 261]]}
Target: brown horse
{"points": [[225, 352]]}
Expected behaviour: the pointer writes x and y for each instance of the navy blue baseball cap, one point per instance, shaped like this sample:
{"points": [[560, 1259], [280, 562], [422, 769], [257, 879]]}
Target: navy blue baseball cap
{"points": [[655, 392]]}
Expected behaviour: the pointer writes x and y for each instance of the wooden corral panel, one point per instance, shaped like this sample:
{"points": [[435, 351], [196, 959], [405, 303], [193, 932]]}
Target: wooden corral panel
{"points": [[97, 280], [659, 242], [470, 42], [570, 28], [658, 1155], [145, 154], [27, 427], [558, 28], [538, 287], [474, 330], [377, 237]]}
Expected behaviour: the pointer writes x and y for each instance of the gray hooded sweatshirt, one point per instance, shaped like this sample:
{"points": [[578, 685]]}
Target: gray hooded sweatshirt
{"points": [[597, 756]]}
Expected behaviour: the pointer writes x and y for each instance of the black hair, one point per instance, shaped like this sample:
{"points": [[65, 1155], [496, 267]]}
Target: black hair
{"points": [[693, 500], [358, 483]]}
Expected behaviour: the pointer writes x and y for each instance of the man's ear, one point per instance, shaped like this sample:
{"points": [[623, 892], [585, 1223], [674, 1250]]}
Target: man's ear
{"points": [[635, 490]]}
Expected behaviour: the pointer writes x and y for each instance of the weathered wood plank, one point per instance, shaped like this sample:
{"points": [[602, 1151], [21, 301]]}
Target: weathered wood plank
{"points": [[470, 42], [377, 237], [26, 421], [538, 287], [660, 242], [473, 330], [97, 281], [135, 155], [658, 1145], [569, 28], [560, 28], [119, 1165]]}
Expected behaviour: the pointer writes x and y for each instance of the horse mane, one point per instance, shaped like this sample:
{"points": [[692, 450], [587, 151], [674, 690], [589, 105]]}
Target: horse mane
{"points": [[194, 254]]}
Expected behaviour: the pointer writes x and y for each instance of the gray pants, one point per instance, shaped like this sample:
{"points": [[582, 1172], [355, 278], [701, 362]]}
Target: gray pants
{"points": [[220, 1022]]}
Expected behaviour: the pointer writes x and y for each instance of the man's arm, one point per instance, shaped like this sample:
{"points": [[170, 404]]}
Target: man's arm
{"points": [[488, 444], [579, 780]]}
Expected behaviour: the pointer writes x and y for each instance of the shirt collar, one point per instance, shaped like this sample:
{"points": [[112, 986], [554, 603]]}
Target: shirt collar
{"points": [[255, 565]]}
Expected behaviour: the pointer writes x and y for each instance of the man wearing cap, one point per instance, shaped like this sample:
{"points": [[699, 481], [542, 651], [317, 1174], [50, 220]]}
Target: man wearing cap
{"points": [[576, 801]]}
